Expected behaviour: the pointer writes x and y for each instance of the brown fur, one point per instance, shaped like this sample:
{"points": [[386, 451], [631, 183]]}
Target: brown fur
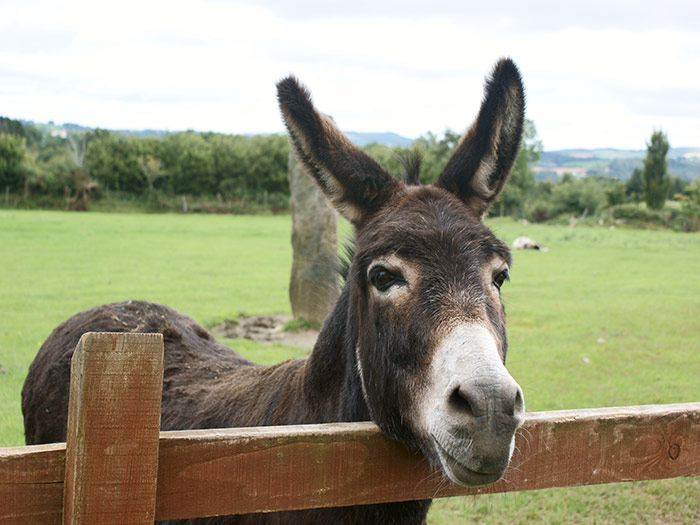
{"points": [[373, 357]]}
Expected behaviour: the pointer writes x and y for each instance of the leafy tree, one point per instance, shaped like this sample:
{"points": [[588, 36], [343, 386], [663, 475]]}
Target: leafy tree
{"points": [[616, 193], [56, 173], [26, 131], [584, 196], [77, 144], [112, 160], [579, 196], [229, 163], [12, 150], [77, 192], [267, 163], [567, 178], [539, 206], [385, 156], [31, 174], [656, 181], [522, 179], [635, 185], [677, 187], [10, 126], [693, 190], [151, 168], [187, 159], [436, 153], [51, 147]]}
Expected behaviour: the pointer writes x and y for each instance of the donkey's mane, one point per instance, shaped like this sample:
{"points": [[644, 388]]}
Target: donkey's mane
{"points": [[345, 258], [411, 162]]}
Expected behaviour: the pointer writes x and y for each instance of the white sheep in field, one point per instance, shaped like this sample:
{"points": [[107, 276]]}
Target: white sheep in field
{"points": [[525, 243]]}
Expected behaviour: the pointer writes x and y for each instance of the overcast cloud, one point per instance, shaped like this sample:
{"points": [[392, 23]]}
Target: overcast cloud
{"points": [[597, 74]]}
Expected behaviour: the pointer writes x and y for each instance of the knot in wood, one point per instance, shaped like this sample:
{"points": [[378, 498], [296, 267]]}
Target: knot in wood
{"points": [[674, 451]]}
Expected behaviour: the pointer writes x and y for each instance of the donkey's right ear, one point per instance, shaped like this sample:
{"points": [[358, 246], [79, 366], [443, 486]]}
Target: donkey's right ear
{"points": [[356, 184]]}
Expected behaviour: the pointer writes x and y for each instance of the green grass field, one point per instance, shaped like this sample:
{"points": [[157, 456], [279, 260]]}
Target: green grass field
{"points": [[604, 318]]}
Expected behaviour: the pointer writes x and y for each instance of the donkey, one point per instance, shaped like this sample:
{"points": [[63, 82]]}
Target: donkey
{"points": [[416, 341]]}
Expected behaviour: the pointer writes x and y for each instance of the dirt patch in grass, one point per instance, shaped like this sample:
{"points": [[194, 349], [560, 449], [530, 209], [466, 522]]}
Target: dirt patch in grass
{"points": [[265, 329]]}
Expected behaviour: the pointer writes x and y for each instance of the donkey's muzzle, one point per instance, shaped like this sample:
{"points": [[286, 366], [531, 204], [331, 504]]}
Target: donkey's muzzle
{"points": [[478, 425], [475, 408]]}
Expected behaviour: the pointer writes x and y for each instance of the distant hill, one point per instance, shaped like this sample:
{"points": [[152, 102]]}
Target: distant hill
{"points": [[65, 129], [682, 162], [387, 138], [136, 132]]}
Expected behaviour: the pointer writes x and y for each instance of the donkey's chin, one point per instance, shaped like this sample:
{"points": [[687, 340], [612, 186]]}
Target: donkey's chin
{"points": [[464, 469]]}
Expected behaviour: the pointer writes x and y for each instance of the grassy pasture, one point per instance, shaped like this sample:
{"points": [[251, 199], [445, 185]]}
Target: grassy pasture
{"points": [[604, 318]]}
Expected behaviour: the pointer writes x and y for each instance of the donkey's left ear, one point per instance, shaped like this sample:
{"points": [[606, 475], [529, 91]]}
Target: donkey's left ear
{"points": [[479, 167]]}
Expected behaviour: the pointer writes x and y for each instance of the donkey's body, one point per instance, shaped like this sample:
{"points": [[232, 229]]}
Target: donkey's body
{"points": [[416, 341]]}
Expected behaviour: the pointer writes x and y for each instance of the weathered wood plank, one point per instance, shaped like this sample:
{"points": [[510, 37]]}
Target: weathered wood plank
{"points": [[31, 484], [113, 429], [279, 468], [207, 472]]}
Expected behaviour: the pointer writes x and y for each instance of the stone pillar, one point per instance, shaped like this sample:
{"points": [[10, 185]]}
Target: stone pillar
{"points": [[313, 288]]}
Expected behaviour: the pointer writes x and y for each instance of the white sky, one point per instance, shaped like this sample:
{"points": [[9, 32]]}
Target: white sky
{"points": [[597, 73]]}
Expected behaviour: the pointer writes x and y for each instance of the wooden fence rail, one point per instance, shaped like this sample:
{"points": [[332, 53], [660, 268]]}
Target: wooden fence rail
{"points": [[117, 468]]}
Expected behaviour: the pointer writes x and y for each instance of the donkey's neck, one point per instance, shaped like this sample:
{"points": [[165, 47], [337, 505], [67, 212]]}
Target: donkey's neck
{"points": [[331, 380]]}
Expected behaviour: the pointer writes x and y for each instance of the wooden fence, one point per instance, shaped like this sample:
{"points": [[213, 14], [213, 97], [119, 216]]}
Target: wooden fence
{"points": [[116, 466]]}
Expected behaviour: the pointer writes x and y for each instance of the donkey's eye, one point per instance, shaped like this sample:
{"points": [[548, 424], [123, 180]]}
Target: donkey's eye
{"points": [[500, 278], [382, 279]]}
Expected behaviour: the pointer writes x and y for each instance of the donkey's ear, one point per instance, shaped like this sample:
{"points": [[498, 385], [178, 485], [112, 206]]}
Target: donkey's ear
{"points": [[479, 167], [356, 184]]}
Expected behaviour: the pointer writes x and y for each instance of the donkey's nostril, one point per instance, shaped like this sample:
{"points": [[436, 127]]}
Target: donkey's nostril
{"points": [[462, 402], [519, 406]]}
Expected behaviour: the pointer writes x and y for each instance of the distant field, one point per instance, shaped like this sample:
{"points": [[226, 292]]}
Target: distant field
{"points": [[604, 318]]}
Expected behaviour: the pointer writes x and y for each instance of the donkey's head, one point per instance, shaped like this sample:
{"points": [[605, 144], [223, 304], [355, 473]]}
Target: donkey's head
{"points": [[425, 313]]}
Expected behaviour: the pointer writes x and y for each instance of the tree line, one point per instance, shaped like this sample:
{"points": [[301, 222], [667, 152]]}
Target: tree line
{"points": [[100, 164], [642, 199], [239, 173], [667, 200]]}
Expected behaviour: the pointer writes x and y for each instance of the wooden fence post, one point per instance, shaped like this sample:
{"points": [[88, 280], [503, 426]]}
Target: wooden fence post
{"points": [[113, 429]]}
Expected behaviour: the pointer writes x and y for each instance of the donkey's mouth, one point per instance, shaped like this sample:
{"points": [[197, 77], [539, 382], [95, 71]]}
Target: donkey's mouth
{"points": [[463, 474]]}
